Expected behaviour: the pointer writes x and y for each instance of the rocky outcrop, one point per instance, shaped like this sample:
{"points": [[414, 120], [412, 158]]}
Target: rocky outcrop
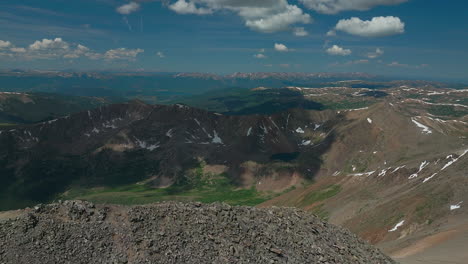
{"points": [[80, 232]]}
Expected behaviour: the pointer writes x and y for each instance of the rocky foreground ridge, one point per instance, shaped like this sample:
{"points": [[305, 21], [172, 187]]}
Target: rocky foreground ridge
{"points": [[81, 232]]}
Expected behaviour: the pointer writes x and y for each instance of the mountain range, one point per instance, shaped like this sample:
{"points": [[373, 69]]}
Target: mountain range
{"points": [[389, 164]]}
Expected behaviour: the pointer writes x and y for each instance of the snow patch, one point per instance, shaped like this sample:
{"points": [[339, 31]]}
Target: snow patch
{"points": [[273, 122], [397, 226], [426, 130], [435, 93], [216, 138], [421, 167], [428, 178], [169, 133], [300, 130], [249, 132], [369, 120], [453, 160], [306, 142], [363, 174], [204, 130], [144, 145], [10, 93], [357, 109], [383, 172], [398, 168], [456, 206]]}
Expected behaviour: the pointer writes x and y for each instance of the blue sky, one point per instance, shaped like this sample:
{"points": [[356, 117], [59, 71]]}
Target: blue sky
{"points": [[414, 38]]}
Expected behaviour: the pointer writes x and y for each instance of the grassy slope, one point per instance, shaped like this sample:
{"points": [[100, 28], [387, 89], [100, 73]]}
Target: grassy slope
{"points": [[196, 187]]}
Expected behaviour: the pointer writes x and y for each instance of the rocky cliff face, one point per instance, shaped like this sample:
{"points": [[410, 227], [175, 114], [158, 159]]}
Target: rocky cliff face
{"points": [[80, 232]]}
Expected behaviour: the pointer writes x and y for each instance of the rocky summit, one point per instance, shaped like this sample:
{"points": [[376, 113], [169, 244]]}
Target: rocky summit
{"points": [[81, 232]]}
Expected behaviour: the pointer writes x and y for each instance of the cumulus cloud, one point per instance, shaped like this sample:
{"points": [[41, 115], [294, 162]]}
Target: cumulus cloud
{"points": [[377, 27], [128, 8], [300, 32], [48, 44], [122, 54], [278, 22], [260, 56], [336, 6], [265, 16], [160, 54], [184, 7], [338, 51], [4, 44], [281, 47], [59, 49], [377, 53]]}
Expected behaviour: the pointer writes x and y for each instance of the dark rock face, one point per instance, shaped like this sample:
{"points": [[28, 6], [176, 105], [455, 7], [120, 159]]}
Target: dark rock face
{"points": [[80, 232]]}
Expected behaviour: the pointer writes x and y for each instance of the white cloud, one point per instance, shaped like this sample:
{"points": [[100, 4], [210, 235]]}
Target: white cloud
{"points": [[278, 22], [48, 49], [348, 63], [18, 50], [80, 51], [336, 6], [128, 8], [403, 65], [377, 27], [48, 44], [265, 16], [260, 56], [261, 50], [160, 54], [281, 47], [5, 44], [122, 54], [338, 51], [331, 33], [300, 32], [183, 7], [377, 53], [59, 49]]}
